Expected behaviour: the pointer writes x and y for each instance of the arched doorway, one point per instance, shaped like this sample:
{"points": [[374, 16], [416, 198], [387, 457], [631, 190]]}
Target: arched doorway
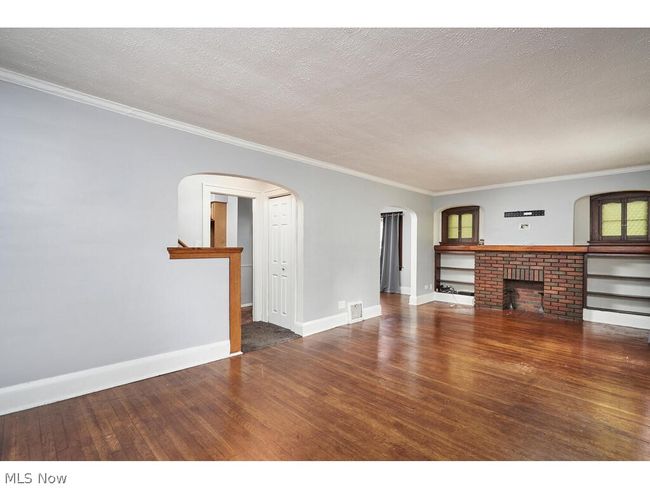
{"points": [[398, 251], [263, 218]]}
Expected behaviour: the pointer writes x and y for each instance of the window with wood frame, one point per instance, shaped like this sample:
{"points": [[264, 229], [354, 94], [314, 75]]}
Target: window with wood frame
{"points": [[620, 218], [460, 225]]}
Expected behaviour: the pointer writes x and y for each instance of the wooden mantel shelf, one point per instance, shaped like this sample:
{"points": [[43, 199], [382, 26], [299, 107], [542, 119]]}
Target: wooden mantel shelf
{"points": [[234, 277], [595, 249], [202, 252], [563, 249]]}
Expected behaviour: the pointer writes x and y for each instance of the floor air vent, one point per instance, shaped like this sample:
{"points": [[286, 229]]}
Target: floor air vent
{"points": [[355, 312]]}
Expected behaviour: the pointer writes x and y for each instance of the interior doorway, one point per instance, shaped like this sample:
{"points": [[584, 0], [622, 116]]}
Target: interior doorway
{"points": [[263, 219], [398, 252], [281, 247]]}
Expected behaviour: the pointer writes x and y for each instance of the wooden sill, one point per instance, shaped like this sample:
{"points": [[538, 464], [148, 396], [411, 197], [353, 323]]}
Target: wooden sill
{"points": [[500, 248], [594, 249]]}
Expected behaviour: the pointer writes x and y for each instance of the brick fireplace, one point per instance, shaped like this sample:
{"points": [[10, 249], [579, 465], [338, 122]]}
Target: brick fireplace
{"points": [[548, 278], [560, 277]]}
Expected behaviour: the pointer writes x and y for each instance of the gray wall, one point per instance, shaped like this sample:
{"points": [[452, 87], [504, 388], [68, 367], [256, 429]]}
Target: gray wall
{"points": [[245, 240], [88, 204], [557, 198]]}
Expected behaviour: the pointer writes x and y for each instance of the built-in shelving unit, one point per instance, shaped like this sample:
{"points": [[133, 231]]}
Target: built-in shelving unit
{"points": [[618, 282], [616, 279], [455, 269]]}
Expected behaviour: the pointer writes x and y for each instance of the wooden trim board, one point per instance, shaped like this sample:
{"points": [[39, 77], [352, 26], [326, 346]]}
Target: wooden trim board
{"points": [[562, 249]]}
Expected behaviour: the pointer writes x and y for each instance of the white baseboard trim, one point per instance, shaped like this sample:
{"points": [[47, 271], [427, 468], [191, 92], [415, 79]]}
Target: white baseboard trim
{"points": [[321, 325], [371, 312], [404, 290], [613, 318], [421, 299], [456, 299], [49, 390], [246, 304]]}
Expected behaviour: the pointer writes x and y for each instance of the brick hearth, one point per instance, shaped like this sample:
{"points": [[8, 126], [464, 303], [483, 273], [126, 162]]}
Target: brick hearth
{"points": [[561, 273]]}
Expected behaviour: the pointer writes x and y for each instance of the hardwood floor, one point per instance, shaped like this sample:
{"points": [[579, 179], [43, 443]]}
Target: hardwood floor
{"points": [[431, 382]]}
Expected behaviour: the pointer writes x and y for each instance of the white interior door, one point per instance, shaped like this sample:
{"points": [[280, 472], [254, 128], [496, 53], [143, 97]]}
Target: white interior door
{"points": [[281, 237]]}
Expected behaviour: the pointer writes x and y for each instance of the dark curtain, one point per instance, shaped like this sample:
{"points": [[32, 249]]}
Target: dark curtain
{"points": [[391, 253]]}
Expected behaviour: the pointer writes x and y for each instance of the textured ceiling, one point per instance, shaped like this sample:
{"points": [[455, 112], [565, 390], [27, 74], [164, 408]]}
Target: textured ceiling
{"points": [[437, 109]]}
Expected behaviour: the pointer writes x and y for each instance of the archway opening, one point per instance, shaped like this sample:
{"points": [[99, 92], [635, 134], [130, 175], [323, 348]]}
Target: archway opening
{"points": [[265, 220], [398, 251]]}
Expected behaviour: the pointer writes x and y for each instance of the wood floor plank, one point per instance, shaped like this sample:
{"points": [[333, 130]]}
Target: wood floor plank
{"points": [[33, 434], [48, 424], [427, 382]]}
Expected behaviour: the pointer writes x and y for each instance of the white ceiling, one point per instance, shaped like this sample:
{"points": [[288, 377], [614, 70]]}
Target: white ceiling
{"points": [[437, 109]]}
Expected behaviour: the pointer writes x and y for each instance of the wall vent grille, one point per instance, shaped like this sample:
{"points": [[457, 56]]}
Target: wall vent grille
{"points": [[355, 312]]}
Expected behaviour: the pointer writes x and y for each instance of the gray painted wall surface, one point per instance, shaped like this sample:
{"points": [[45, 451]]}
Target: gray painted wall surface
{"points": [[557, 198], [245, 240], [88, 204]]}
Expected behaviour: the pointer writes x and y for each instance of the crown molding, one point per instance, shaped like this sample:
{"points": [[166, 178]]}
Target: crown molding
{"points": [[550, 179], [77, 96]]}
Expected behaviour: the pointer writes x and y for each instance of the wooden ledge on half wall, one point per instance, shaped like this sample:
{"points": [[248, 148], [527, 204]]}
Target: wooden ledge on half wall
{"points": [[597, 249], [202, 252], [233, 254]]}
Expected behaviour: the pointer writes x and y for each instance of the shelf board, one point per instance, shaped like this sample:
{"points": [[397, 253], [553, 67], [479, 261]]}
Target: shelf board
{"points": [[627, 312], [614, 277], [464, 293], [508, 248], [617, 255], [458, 282], [616, 295], [613, 248]]}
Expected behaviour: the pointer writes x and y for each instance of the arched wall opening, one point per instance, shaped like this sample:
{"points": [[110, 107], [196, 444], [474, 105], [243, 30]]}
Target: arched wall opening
{"points": [[455, 270], [582, 215], [408, 273], [437, 220], [266, 220]]}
